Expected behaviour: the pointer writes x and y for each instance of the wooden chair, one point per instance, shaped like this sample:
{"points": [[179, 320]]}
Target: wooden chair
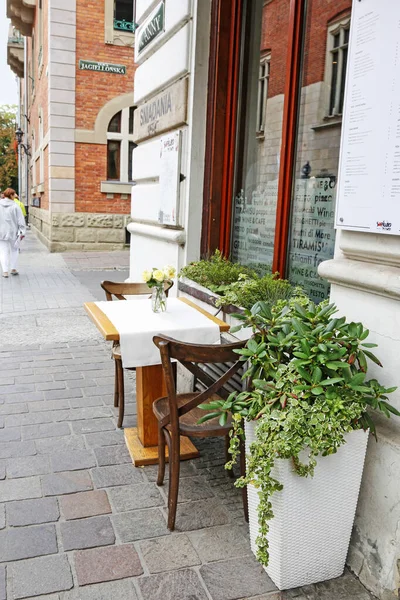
{"points": [[178, 414], [120, 291]]}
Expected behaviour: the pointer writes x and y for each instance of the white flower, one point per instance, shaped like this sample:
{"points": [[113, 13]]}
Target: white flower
{"points": [[158, 275], [146, 276], [169, 272]]}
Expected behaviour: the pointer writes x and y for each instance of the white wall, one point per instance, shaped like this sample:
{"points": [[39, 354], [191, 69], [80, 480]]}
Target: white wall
{"points": [[181, 51]]}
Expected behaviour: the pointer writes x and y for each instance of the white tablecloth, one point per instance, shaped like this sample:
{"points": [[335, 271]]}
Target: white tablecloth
{"points": [[136, 324]]}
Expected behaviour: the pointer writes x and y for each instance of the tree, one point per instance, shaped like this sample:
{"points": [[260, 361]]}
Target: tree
{"points": [[8, 151]]}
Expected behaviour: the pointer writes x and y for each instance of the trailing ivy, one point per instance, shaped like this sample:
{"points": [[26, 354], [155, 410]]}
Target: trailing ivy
{"points": [[309, 388]]}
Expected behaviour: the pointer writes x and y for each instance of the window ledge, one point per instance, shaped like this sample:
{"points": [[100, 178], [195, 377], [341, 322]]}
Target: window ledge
{"points": [[260, 135], [328, 123], [116, 187]]}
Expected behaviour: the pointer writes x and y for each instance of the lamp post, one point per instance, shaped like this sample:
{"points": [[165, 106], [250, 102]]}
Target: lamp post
{"points": [[19, 135]]}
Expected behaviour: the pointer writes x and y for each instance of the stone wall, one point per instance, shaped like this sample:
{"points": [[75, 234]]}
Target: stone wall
{"points": [[79, 231]]}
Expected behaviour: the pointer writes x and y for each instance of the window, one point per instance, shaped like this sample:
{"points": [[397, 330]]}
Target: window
{"points": [[40, 55], [123, 15], [263, 79], [120, 146], [339, 41]]}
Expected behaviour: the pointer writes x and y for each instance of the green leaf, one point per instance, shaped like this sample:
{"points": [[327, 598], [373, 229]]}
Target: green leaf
{"points": [[209, 416], [373, 358], [358, 379], [316, 375], [336, 364], [331, 381], [317, 391], [390, 408], [223, 419], [304, 374], [369, 345]]}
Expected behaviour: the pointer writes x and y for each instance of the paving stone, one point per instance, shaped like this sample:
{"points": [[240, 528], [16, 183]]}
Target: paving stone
{"points": [[167, 553], [16, 544], [44, 405], [87, 533], [92, 425], [10, 434], [2, 516], [62, 394], [13, 409], [112, 455], [107, 564], [51, 385], [194, 488], [34, 378], [2, 422], [9, 390], [33, 432], [184, 585], [27, 466], [140, 524], [221, 543], [116, 590], [20, 489], [37, 418], [40, 576], [2, 470], [86, 402], [248, 576], [81, 383], [116, 475], [70, 482], [200, 514], [106, 438], [73, 461], [22, 398], [85, 504], [63, 444], [3, 583], [99, 390], [132, 497], [95, 412], [186, 470], [67, 376], [32, 512]]}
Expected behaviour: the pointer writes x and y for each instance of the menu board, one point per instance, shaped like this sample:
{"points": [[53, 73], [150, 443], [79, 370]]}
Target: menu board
{"points": [[312, 235], [170, 155], [369, 174]]}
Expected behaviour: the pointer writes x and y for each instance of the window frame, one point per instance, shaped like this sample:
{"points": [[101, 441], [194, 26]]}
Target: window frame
{"points": [[339, 27], [116, 37], [124, 137], [263, 83]]}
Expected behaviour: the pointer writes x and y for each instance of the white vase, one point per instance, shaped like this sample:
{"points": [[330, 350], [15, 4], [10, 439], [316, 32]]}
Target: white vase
{"points": [[313, 519]]}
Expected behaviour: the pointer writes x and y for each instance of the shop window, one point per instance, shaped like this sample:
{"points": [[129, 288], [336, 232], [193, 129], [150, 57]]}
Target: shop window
{"points": [[123, 15], [338, 39], [120, 146], [263, 80]]}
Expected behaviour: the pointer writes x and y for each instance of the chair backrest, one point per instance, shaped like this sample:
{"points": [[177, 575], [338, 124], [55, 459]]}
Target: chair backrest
{"points": [[191, 356], [121, 289]]}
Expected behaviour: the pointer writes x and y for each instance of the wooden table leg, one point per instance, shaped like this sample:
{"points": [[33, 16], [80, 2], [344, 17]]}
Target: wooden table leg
{"points": [[142, 440]]}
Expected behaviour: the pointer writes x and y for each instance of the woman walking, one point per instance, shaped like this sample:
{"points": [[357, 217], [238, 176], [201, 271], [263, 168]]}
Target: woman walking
{"points": [[12, 227]]}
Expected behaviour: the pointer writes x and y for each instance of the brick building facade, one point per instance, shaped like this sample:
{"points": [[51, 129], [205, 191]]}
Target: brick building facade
{"points": [[77, 116]]}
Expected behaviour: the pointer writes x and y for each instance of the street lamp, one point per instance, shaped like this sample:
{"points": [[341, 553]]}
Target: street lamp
{"points": [[19, 135]]}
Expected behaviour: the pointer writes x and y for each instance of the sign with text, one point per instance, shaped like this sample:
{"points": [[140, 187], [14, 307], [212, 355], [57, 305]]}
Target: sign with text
{"points": [[369, 175], [151, 27], [170, 170], [89, 65], [161, 113]]}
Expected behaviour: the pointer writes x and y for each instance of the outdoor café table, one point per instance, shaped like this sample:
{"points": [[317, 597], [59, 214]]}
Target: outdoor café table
{"points": [[133, 324]]}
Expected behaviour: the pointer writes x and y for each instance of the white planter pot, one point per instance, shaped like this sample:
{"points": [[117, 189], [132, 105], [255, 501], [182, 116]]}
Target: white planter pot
{"points": [[310, 532]]}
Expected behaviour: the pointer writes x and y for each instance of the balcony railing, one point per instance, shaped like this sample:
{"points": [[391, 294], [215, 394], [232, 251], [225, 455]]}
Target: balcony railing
{"points": [[123, 25], [15, 39]]}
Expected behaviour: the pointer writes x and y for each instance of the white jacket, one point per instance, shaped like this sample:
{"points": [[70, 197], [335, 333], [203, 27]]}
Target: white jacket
{"points": [[11, 220]]}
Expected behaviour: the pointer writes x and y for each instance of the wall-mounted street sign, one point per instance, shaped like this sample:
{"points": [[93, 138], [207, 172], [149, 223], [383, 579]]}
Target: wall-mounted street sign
{"points": [[170, 170], [161, 113], [151, 27], [90, 65]]}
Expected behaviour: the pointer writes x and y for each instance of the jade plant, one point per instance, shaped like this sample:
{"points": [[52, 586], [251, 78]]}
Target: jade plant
{"points": [[308, 388]]}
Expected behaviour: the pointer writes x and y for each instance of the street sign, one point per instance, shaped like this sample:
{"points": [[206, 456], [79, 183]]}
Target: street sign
{"points": [[89, 65]]}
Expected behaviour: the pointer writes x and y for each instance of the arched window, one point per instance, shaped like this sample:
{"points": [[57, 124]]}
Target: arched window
{"points": [[120, 146]]}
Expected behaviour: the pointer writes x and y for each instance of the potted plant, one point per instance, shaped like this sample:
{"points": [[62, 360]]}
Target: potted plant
{"points": [[306, 421]]}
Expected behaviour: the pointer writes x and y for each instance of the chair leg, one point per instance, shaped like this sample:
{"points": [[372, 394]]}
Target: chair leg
{"points": [[228, 456], [242, 473], [116, 393], [161, 456], [121, 394], [174, 466]]}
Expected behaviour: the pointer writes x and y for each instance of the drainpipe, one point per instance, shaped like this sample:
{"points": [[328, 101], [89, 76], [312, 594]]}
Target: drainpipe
{"points": [[26, 82]]}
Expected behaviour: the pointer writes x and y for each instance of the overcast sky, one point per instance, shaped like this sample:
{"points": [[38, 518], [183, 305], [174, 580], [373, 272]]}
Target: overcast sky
{"points": [[8, 84]]}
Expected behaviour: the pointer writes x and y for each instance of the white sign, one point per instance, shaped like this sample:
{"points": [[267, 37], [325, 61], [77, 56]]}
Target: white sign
{"points": [[369, 173], [170, 171]]}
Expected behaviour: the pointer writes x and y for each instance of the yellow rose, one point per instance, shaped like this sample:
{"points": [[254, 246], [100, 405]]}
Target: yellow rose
{"points": [[169, 272], [158, 275], [146, 276]]}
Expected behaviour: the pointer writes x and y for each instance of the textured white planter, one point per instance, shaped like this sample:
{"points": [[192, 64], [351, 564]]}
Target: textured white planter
{"points": [[310, 532]]}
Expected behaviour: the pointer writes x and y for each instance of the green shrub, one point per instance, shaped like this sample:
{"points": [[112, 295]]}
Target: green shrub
{"points": [[216, 273], [247, 291]]}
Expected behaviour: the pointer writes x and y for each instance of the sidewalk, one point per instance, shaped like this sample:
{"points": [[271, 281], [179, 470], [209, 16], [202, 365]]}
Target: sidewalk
{"points": [[77, 520]]}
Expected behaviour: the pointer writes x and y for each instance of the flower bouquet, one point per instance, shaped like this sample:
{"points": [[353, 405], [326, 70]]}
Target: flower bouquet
{"points": [[158, 280]]}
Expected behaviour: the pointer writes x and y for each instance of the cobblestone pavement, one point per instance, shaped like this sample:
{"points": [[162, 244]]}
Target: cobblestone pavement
{"points": [[77, 520]]}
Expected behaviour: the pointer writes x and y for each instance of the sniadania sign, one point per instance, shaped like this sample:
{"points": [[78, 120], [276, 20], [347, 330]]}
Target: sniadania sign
{"points": [[89, 65]]}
